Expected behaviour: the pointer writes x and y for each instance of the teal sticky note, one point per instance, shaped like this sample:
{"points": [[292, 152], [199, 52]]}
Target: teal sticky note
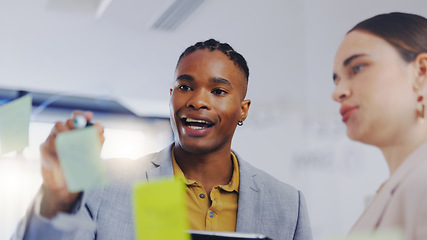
{"points": [[79, 154], [14, 124]]}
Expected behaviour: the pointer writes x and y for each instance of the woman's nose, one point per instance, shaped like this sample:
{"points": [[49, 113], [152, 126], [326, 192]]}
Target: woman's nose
{"points": [[341, 92]]}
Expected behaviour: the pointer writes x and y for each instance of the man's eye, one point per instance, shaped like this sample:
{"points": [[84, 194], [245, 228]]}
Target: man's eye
{"points": [[219, 92], [184, 87]]}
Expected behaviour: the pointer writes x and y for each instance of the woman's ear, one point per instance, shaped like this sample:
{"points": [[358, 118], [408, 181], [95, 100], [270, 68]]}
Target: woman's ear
{"points": [[421, 72]]}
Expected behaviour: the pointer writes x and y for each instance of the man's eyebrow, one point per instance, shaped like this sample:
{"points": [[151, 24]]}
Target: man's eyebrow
{"points": [[221, 80], [185, 77], [348, 60]]}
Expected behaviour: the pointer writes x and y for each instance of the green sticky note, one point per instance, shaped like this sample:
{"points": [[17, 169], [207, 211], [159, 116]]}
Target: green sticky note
{"points": [[160, 210], [389, 234], [79, 154], [14, 124]]}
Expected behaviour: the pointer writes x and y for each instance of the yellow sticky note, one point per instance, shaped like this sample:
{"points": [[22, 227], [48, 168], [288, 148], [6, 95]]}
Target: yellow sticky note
{"points": [[160, 210], [79, 154], [14, 124], [389, 234]]}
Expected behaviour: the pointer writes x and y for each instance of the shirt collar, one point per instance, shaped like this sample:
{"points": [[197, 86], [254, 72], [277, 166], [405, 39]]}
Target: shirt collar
{"points": [[233, 185]]}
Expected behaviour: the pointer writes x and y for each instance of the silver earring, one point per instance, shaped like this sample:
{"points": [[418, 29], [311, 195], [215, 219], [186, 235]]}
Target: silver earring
{"points": [[240, 123]]}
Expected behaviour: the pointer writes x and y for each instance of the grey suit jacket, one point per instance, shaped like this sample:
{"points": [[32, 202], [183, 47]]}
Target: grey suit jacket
{"points": [[266, 205]]}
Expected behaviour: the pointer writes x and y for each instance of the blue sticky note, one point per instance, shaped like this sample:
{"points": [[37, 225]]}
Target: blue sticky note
{"points": [[79, 154], [14, 124]]}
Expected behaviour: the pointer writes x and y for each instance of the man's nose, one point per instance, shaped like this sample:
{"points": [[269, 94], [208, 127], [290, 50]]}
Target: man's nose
{"points": [[199, 100]]}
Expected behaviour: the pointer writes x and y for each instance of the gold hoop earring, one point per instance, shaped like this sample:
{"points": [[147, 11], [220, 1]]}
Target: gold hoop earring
{"points": [[423, 107]]}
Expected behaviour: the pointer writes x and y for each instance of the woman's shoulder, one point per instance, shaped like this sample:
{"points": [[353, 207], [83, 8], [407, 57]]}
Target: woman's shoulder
{"points": [[415, 181]]}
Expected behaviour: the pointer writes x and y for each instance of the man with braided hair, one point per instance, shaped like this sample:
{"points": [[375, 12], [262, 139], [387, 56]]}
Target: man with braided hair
{"points": [[225, 193]]}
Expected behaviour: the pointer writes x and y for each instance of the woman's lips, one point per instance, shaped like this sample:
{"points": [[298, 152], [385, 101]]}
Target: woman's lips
{"points": [[346, 112]]}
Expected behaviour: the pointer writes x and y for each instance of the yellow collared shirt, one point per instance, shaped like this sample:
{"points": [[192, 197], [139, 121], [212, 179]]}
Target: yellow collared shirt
{"points": [[222, 214]]}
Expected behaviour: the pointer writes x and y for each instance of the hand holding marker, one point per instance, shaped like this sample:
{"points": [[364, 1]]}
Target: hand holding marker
{"points": [[79, 155], [81, 122], [58, 197]]}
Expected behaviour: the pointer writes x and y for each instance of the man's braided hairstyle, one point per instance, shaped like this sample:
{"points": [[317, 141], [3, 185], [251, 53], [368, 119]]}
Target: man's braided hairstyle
{"points": [[212, 45]]}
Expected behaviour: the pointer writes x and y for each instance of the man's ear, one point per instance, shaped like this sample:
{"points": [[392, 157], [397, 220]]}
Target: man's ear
{"points": [[421, 72], [245, 104]]}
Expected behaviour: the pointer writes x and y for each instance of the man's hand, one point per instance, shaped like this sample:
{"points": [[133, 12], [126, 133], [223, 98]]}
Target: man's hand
{"points": [[56, 197]]}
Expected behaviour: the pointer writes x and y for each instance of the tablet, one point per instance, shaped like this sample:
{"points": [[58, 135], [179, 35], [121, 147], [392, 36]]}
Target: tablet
{"points": [[211, 235]]}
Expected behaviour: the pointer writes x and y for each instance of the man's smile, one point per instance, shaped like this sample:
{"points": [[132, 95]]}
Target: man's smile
{"points": [[196, 123]]}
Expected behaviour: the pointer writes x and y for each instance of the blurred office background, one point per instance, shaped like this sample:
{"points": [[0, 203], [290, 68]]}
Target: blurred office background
{"points": [[122, 54]]}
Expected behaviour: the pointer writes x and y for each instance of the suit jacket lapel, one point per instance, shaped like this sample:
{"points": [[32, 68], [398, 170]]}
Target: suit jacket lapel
{"points": [[248, 199], [371, 217], [162, 165]]}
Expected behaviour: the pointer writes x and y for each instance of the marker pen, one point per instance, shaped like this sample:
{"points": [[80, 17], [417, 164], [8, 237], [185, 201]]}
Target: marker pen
{"points": [[81, 122]]}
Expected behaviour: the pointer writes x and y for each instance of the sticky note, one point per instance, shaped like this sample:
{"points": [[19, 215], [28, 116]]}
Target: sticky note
{"points": [[79, 154], [14, 124], [389, 234], [160, 210]]}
